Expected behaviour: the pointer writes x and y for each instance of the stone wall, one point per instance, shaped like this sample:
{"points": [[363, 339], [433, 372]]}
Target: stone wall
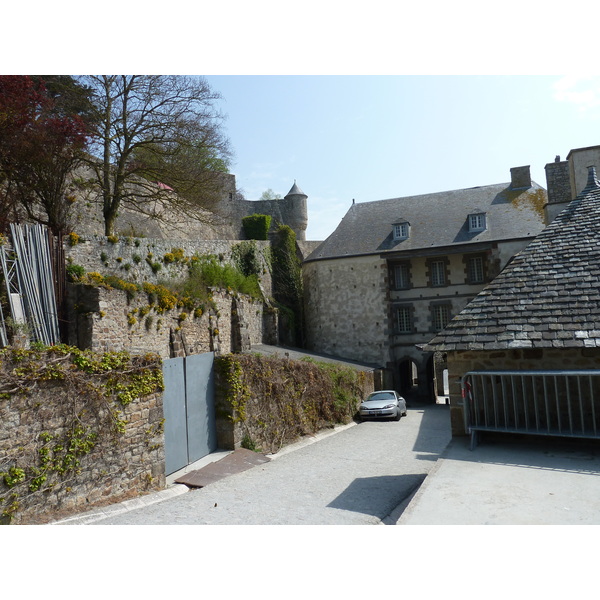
{"points": [[222, 220], [109, 320], [42, 427], [346, 308], [266, 402], [460, 363], [102, 319], [145, 259]]}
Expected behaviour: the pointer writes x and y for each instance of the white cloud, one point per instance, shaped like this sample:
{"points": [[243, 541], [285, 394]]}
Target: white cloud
{"points": [[581, 91]]}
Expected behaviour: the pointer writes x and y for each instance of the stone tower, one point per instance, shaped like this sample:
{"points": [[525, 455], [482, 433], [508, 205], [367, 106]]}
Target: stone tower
{"points": [[296, 211]]}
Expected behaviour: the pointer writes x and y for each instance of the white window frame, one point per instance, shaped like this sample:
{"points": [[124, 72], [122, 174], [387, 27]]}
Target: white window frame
{"points": [[401, 230], [440, 316], [477, 222], [475, 270], [437, 273], [401, 277], [404, 319]]}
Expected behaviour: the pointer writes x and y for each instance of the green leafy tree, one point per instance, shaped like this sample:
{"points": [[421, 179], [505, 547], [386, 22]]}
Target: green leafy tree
{"points": [[269, 195], [158, 145]]}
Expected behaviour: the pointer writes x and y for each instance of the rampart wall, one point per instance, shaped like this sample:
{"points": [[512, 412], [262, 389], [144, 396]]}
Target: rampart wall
{"points": [[110, 320]]}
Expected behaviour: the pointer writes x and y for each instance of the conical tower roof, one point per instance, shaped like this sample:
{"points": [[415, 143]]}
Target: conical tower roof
{"points": [[295, 191]]}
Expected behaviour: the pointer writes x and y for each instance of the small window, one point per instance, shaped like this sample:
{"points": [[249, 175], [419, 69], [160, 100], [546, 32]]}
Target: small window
{"points": [[477, 222], [401, 277], [437, 270], [404, 319], [440, 316], [475, 272], [401, 231]]}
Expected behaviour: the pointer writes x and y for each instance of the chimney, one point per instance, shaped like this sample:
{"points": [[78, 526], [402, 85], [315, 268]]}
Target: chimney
{"points": [[592, 180], [520, 177], [558, 182]]}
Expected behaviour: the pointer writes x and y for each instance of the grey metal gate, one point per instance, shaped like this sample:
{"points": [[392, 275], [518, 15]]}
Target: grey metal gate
{"points": [[554, 403], [188, 401]]}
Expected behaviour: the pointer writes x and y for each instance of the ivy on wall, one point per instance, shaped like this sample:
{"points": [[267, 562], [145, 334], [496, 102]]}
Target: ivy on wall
{"points": [[70, 402], [274, 401], [287, 280]]}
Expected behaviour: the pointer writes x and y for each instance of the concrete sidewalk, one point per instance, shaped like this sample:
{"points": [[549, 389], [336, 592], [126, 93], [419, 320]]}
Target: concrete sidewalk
{"points": [[511, 480]]}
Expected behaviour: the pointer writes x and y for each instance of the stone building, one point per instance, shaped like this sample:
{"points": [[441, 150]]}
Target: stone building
{"points": [[566, 179], [542, 313], [394, 272]]}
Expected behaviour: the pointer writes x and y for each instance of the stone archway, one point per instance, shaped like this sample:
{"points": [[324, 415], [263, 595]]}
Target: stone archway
{"points": [[407, 377]]}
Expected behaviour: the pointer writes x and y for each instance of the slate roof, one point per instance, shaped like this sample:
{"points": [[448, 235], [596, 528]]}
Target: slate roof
{"points": [[437, 220], [547, 297], [295, 191]]}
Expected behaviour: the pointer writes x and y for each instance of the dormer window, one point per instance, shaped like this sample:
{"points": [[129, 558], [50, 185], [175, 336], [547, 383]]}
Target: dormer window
{"points": [[477, 222], [401, 230]]}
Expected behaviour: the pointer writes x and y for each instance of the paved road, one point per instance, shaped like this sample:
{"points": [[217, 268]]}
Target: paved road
{"points": [[359, 476]]}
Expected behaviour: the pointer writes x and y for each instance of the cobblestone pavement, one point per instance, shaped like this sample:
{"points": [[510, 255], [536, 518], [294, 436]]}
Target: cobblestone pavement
{"points": [[362, 475]]}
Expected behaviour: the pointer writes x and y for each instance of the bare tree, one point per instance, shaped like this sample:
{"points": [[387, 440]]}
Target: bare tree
{"points": [[158, 145]]}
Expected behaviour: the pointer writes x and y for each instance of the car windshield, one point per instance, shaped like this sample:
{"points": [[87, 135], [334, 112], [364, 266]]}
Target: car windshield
{"points": [[382, 396]]}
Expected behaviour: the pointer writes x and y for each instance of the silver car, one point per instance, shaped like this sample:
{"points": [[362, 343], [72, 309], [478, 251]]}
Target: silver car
{"points": [[382, 404]]}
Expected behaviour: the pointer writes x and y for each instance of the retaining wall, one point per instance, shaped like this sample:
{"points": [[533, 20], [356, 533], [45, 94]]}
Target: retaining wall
{"points": [[39, 431], [108, 320]]}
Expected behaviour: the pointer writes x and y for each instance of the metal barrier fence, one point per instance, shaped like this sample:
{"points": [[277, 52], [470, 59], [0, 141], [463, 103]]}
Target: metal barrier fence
{"points": [[554, 403]]}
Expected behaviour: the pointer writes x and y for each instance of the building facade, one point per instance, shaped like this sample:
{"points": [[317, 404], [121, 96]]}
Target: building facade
{"points": [[395, 272], [542, 313]]}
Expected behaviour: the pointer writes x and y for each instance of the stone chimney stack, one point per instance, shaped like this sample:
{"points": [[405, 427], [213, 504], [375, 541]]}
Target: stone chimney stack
{"points": [[520, 177], [558, 184]]}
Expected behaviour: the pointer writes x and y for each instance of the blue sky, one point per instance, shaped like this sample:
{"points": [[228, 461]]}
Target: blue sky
{"points": [[361, 102], [376, 137]]}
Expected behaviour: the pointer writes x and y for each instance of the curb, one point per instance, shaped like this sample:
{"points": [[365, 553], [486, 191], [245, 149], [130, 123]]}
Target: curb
{"points": [[123, 507]]}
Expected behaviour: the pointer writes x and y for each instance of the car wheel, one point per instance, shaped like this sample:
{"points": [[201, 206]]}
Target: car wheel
{"points": [[404, 413], [398, 415]]}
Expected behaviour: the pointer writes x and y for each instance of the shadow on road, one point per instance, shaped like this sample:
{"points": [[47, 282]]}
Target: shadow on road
{"points": [[377, 496], [434, 431]]}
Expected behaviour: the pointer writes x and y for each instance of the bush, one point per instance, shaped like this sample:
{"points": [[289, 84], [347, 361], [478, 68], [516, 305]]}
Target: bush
{"points": [[256, 227], [207, 272], [75, 272]]}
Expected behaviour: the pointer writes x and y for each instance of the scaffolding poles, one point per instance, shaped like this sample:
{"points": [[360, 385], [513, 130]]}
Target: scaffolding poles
{"points": [[30, 283], [3, 335]]}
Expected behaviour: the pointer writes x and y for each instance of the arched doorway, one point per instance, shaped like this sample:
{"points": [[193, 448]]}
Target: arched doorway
{"points": [[408, 378]]}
